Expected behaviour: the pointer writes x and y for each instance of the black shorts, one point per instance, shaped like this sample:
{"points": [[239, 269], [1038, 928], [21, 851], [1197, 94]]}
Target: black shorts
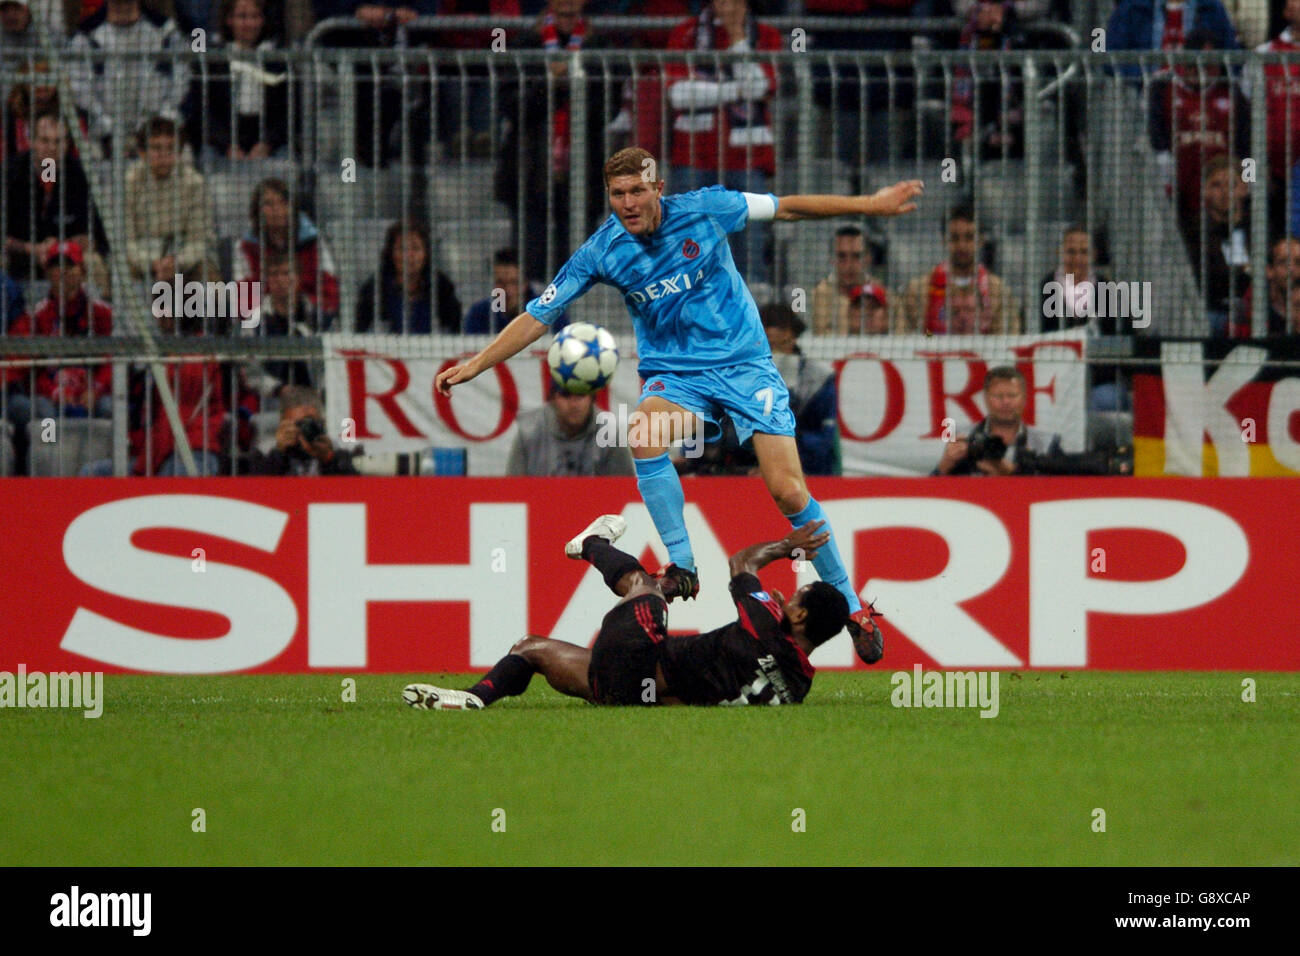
{"points": [[626, 653]]}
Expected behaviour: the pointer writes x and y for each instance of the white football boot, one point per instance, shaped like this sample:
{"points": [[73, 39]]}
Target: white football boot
{"points": [[428, 697], [609, 527]]}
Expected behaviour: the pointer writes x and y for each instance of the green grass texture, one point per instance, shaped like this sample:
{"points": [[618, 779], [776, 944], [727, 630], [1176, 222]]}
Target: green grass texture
{"points": [[288, 772]]}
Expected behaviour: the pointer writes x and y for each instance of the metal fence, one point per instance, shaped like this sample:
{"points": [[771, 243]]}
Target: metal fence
{"points": [[428, 193]]}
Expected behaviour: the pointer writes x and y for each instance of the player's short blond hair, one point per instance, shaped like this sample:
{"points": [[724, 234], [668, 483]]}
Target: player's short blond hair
{"points": [[633, 161]]}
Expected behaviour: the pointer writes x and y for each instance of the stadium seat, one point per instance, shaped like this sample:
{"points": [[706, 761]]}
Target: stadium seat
{"points": [[79, 440]]}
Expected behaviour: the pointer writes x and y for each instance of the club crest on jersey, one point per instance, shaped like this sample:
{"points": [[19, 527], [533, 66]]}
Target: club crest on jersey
{"points": [[666, 287], [655, 386], [689, 249]]}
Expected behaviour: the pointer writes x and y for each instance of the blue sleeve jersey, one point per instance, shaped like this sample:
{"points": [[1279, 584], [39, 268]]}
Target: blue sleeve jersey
{"points": [[689, 306]]}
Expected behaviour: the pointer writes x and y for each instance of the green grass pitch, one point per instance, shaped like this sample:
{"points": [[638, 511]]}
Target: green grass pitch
{"points": [[286, 772]]}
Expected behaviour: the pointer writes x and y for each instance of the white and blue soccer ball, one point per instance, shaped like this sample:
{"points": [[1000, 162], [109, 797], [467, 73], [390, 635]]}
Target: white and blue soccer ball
{"points": [[582, 358]]}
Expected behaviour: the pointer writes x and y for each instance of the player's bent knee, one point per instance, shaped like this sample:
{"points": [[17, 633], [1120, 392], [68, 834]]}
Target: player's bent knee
{"points": [[529, 646], [790, 494]]}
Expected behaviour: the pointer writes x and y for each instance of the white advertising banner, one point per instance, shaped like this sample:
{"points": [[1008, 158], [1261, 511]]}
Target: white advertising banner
{"points": [[898, 395]]}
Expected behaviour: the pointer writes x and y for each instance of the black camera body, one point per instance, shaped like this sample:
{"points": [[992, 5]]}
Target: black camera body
{"points": [[311, 428], [985, 446]]}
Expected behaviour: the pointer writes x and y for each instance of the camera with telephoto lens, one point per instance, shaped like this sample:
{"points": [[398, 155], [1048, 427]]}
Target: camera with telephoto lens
{"points": [[1103, 461], [985, 446], [310, 428]]}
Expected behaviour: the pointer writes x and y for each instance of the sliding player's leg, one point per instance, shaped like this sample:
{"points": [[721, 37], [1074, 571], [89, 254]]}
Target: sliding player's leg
{"points": [[657, 423], [564, 666]]}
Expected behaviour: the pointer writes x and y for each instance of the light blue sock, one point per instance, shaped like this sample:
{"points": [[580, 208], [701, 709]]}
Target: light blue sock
{"points": [[661, 490], [828, 563]]}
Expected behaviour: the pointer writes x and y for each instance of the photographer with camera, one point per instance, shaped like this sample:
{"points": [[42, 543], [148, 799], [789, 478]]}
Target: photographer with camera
{"points": [[1002, 444], [302, 445]]}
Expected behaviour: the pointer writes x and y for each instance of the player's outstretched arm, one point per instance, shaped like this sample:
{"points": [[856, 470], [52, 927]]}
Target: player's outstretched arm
{"points": [[891, 201], [522, 332], [801, 543]]}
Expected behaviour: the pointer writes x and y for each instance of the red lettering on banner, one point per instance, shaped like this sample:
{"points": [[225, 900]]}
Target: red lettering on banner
{"points": [[976, 369], [509, 401], [895, 398], [1025, 353], [357, 394]]}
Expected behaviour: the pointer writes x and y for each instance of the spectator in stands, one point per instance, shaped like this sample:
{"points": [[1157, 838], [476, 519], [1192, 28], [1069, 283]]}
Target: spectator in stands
{"points": [[993, 446], [1196, 115], [168, 214], [1070, 300], [1291, 327], [723, 117], [302, 442], [1251, 18], [532, 175], [1282, 95], [401, 94], [1282, 273], [868, 312], [16, 383], [47, 199], [17, 34], [1074, 273], [850, 268], [997, 94], [200, 390], [282, 311], [245, 114], [33, 95], [1218, 242], [926, 301], [279, 227], [70, 310], [560, 439], [49, 391], [813, 393], [888, 95], [1164, 25], [126, 86], [1025, 10], [510, 291], [402, 299]]}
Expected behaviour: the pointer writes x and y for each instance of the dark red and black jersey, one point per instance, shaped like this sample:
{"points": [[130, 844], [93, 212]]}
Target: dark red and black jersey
{"points": [[749, 661]]}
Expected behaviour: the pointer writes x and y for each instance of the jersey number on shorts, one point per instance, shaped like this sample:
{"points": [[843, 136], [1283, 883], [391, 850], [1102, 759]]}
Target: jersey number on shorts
{"points": [[765, 396]]}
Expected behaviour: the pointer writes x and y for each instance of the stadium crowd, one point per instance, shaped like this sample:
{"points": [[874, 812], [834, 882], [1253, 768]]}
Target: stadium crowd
{"points": [[225, 115]]}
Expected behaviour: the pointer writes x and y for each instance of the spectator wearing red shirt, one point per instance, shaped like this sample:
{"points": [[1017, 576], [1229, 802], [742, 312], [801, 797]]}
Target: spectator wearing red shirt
{"points": [[199, 388], [1197, 114], [722, 127], [1282, 96], [278, 227], [68, 310]]}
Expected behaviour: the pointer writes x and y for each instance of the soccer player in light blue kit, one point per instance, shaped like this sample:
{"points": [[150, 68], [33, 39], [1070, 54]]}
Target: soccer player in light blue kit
{"points": [[701, 348]]}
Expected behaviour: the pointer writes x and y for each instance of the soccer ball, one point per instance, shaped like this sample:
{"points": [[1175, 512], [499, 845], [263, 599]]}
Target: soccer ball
{"points": [[582, 358]]}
